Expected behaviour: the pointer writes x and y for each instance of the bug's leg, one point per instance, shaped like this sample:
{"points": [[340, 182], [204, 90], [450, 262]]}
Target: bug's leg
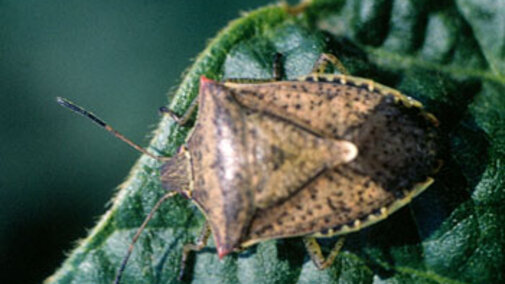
{"points": [[137, 235], [181, 120], [277, 66], [324, 60], [314, 250], [201, 242]]}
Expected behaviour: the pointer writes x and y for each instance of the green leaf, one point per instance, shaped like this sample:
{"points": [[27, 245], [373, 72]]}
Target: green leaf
{"points": [[448, 54]]}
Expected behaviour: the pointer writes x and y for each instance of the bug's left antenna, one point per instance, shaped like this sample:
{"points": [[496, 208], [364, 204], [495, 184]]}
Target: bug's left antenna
{"points": [[73, 107]]}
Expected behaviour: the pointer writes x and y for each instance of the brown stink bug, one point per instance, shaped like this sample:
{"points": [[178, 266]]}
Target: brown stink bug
{"points": [[320, 156]]}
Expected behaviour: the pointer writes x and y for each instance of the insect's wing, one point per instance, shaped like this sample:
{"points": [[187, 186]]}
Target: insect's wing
{"points": [[337, 202], [397, 152], [331, 105]]}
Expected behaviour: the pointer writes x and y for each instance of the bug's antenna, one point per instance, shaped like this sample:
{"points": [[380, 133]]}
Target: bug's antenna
{"points": [[135, 238], [73, 107]]}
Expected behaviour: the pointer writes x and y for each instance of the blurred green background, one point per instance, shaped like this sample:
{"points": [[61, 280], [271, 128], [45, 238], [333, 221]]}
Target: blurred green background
{"points": [[116, 58]]}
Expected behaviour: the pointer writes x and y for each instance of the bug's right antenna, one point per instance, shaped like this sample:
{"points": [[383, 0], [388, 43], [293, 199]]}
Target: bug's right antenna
{"points": [[139, 231], [75, 108]]}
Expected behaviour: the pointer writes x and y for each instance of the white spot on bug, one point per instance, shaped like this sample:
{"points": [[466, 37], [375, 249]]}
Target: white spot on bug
{"points": [[352, 151]]}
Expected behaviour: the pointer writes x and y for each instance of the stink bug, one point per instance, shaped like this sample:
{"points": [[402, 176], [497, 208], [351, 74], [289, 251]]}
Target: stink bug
{"points": [[320, 156]]}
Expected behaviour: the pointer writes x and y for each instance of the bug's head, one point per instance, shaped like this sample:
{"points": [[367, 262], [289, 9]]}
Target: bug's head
{"points": [[176, 173]]}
